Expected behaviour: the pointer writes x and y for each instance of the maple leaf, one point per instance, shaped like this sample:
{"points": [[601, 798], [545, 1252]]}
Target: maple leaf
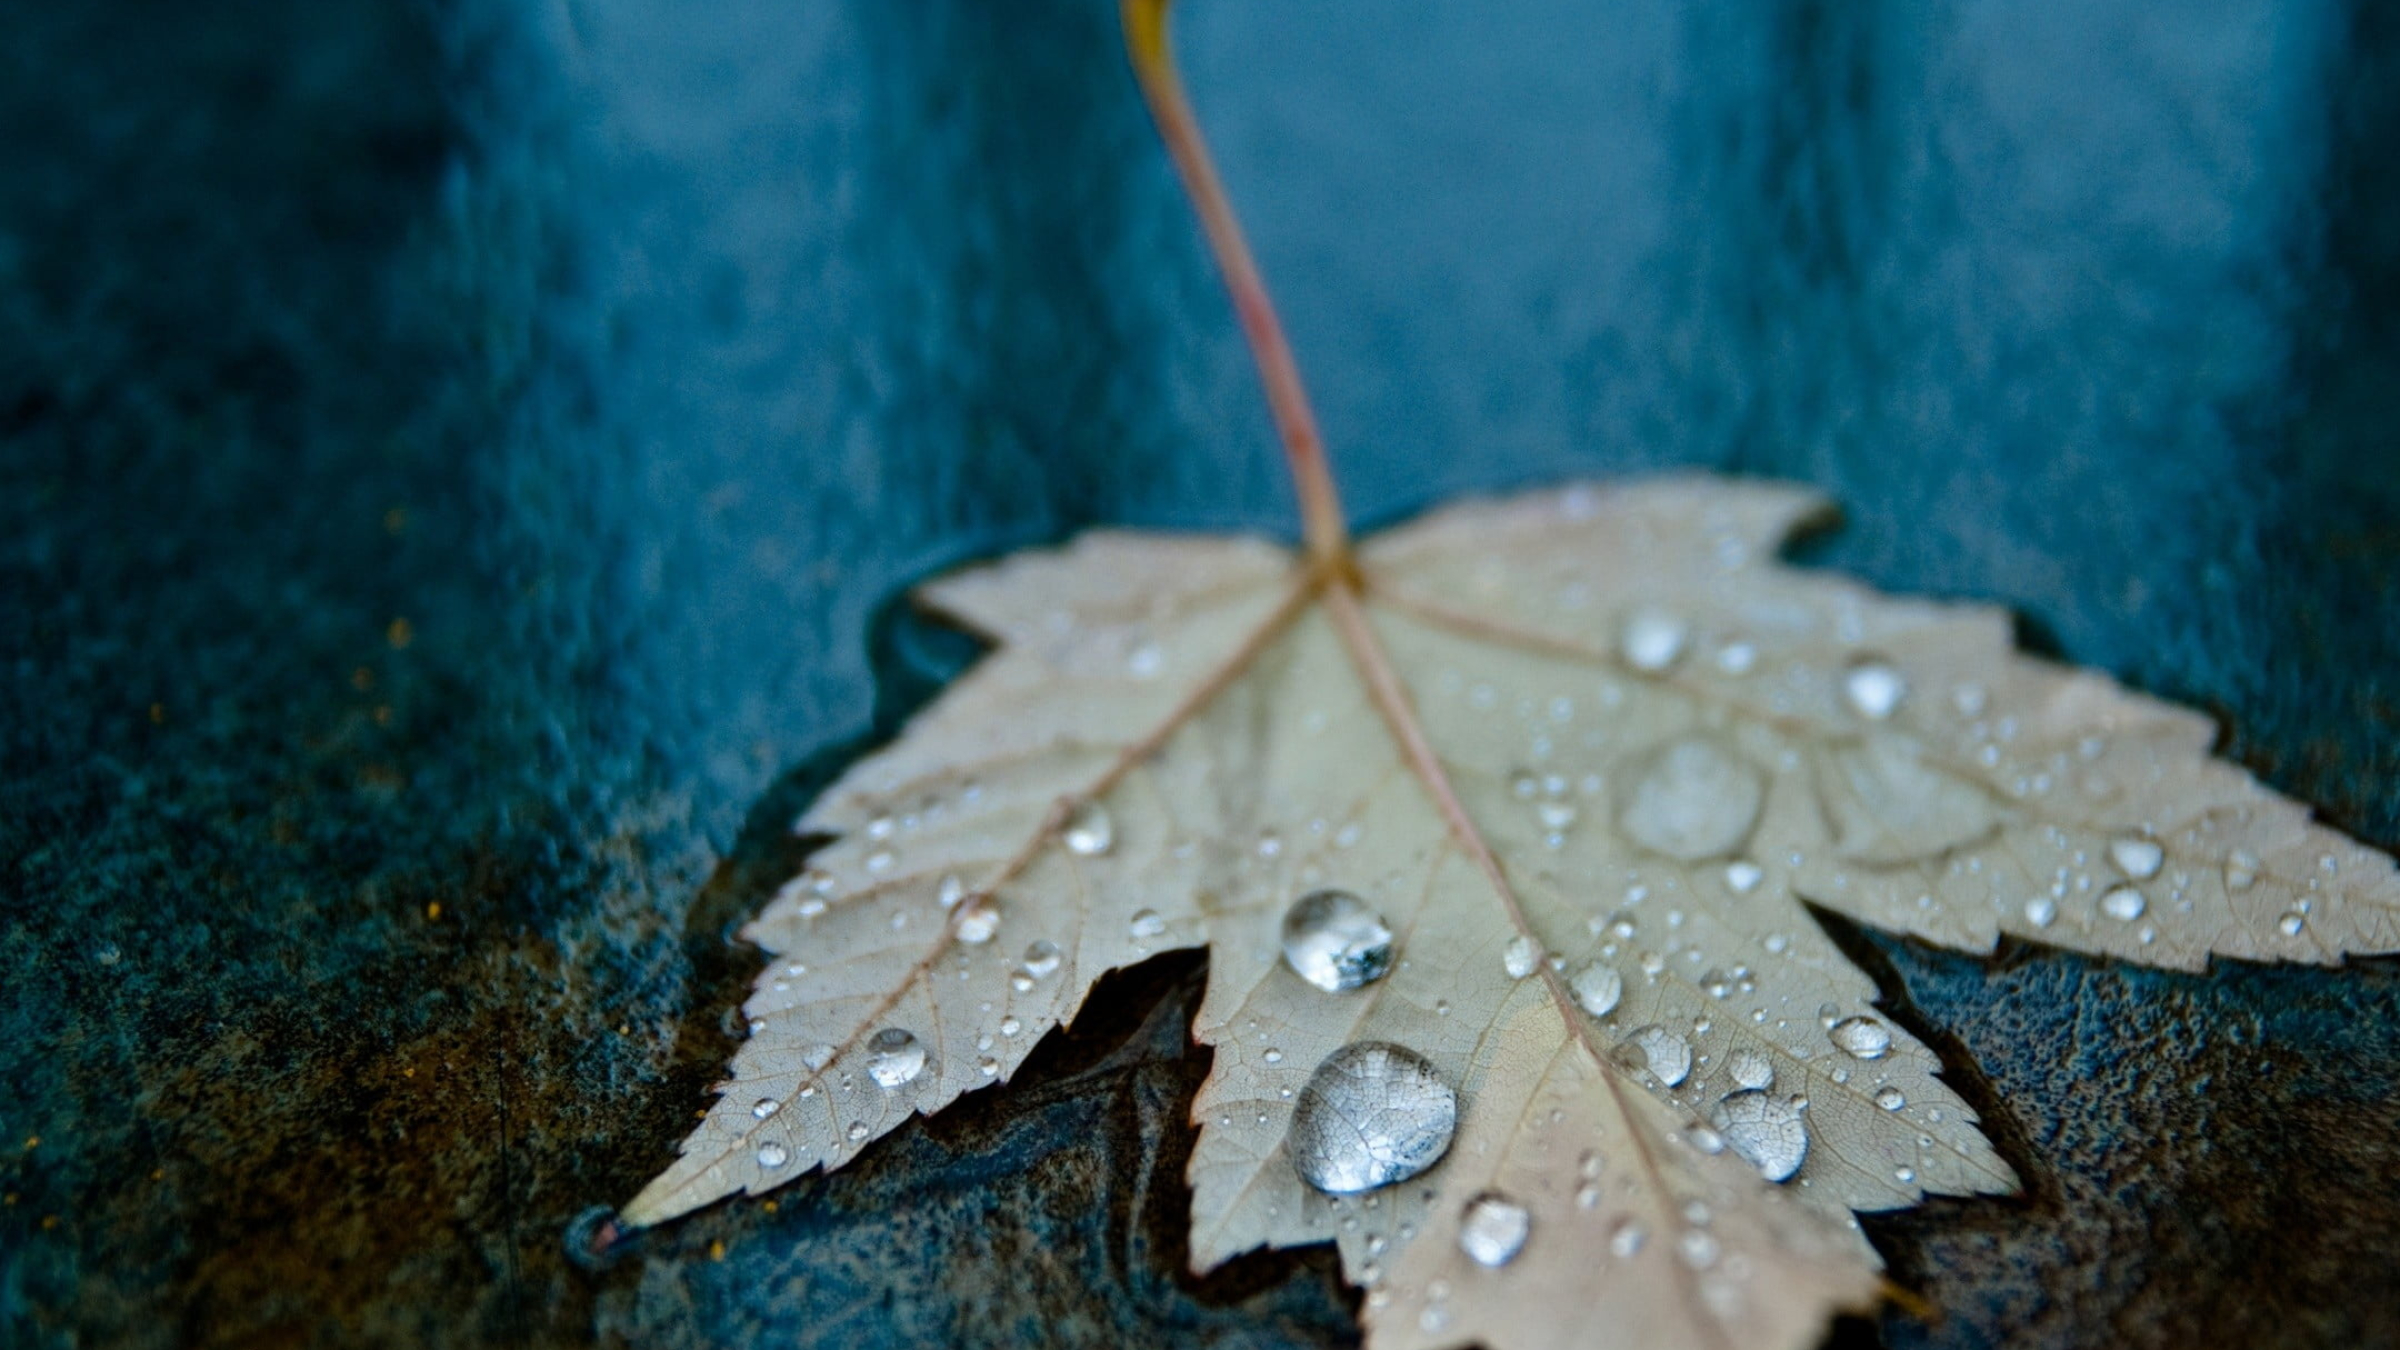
{"points": [[1500, 831]]}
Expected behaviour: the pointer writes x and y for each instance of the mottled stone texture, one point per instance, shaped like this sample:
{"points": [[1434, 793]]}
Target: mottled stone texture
{"points": [[458, 455]]}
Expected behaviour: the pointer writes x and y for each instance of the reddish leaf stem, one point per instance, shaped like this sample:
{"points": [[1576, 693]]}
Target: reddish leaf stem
{"points": [[1320, 509]]}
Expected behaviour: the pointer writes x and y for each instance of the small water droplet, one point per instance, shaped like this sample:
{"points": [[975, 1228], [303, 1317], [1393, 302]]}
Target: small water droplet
{"points": [[771, 1154], [1010, 1026], [1861, 1037], [1666, 1055], [857, 1131], [1372, 1114], [951, 892], [1890, 1099], [1144, 661], [880, 860], [1653, 639], [1493, 1229], [2137, 858], [1742, 877], [2040, 911], [1698, 1249], [894, 1057], [978, 922], [1042, 958], [1597, 988], [2241, 870], [2124, 904], [1627, 1238], [1736, 658], [1692, 798], [1906, 1175], [1147, 924], [765, 1107], [1556, 815], [988, 1067], [817, 1056], [1521, 958], [1766, 1130], [1750, 1069], [1335, 941], [1089, 830], [1873, 687], [1273, 1056], [2291, 924]]}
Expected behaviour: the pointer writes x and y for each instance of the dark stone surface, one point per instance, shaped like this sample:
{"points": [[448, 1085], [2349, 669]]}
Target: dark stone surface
{"points": [[455, 454]]}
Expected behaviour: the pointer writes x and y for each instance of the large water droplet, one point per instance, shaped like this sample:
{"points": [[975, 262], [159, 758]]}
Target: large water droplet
{"points": [[1873, 687], [1089, 830], [1372, 1114], [1654, 639], [1042, 958], [1521, 957], [1765, 1129], [2124, 904], [1666, 1055], [1861, 1037], [1692, 798], [894, 1057], [1493, 1229], [1333, 940], [1597, 988], [2139, 859]]}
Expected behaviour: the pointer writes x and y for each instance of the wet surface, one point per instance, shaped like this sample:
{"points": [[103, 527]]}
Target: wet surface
{"points": [[458, 458]]}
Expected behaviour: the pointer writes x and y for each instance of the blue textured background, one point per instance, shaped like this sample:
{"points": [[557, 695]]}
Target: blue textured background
{"points": [[636, 354]]}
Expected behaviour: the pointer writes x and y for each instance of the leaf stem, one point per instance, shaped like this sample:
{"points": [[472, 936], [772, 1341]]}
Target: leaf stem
{"points": [[1328, 538]]}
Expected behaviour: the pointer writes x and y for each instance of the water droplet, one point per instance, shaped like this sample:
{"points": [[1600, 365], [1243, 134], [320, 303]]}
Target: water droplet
{"points": [[2139, 859], [1666, 1055], [1555, 815], [1750, 1069], [1147, 924], [1861, 1037], [1692, 798], [2124, 904], [1089, 830], [765, 1107], [857, 1131], [1873, 687], [1372, 1114], [1493, 1229], [881, 860], [1273, 1056], [1333, 940], [1010, 1026], [1698, 1249], [1653, 639], [1144, 661], [1742, 877], [1597, 988], [1905, 1175], [817, 1056], [2241, 870], [2040, 911], [978, 922], [1042, 958], [1627, 1238], [1891, 1099], [1736, 658], [894, 1057], [988, 1067], [1521, 958], [2291, 924], [1766, 1130], [951, 892], [772, 1154]]}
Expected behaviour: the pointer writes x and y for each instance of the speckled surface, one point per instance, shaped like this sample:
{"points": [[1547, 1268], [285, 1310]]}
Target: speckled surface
{"points": [[462, 454]]}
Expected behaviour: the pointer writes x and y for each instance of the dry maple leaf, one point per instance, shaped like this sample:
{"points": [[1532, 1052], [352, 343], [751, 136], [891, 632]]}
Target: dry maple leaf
{"points": [[1499, 831]]}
